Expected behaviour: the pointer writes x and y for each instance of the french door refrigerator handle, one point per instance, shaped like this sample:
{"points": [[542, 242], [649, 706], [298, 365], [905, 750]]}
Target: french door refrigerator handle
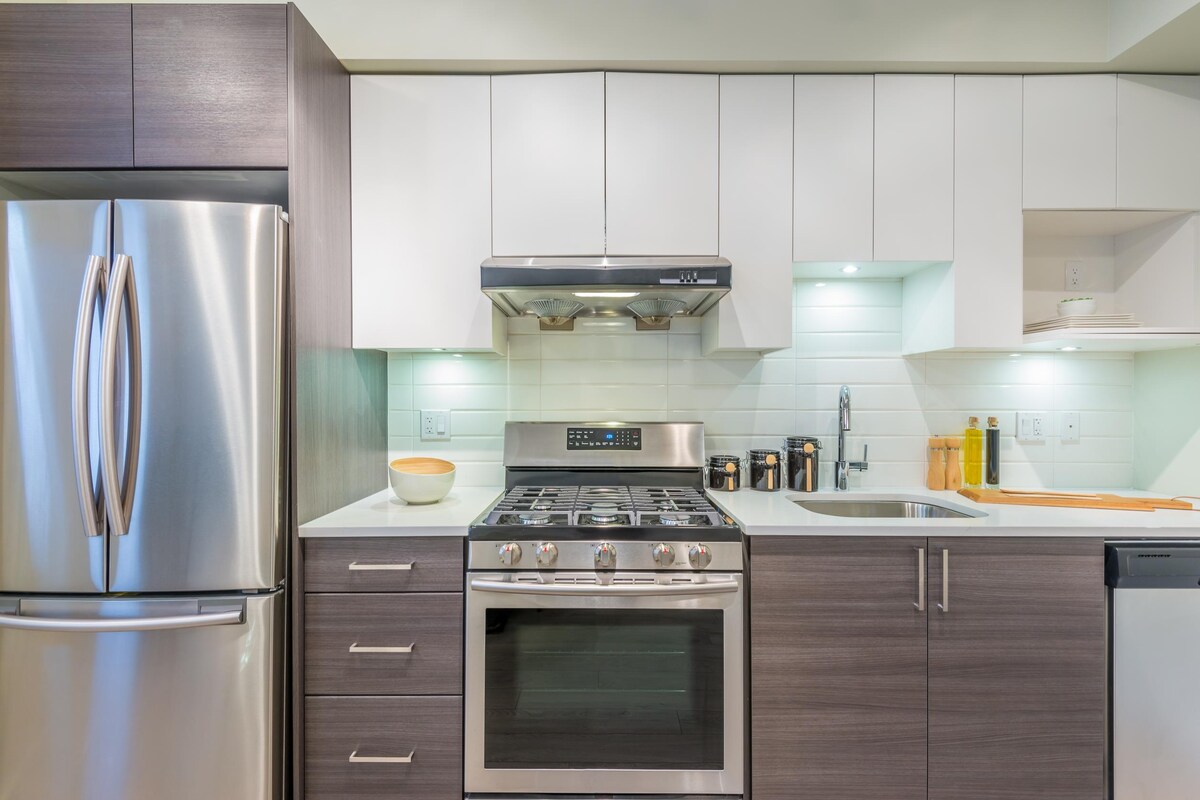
{"points": [[91, 502], [122, 292], [218, 614]]}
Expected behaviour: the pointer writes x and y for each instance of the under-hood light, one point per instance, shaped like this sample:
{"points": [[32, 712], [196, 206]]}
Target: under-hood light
{"points": [[606, 294]]}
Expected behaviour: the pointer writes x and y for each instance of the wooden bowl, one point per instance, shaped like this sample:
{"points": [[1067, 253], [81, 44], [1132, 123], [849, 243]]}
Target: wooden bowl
{"points": [[417, 481]]}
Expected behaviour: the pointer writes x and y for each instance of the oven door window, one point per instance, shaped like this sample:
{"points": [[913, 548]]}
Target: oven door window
{"points": [[604, 689]]}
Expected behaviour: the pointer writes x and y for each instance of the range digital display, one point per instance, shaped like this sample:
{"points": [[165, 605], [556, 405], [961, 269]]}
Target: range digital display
{"points": [[604, 438]]}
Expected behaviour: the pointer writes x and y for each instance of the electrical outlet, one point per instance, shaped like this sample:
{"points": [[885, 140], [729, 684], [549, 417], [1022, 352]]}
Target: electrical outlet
{"points": [[435, 425], [1032, 426], [1068, 428], [1074, 275]]}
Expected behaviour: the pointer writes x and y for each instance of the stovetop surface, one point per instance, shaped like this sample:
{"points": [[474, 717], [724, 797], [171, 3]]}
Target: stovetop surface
{"points": [[603, 511]]}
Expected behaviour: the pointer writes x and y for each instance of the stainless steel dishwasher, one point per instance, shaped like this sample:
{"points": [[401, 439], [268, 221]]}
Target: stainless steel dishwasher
{"points": [[1154, 670]]}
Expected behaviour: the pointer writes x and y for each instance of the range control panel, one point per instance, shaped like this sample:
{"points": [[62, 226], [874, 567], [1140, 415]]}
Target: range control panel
{"points": [[604, 438]]}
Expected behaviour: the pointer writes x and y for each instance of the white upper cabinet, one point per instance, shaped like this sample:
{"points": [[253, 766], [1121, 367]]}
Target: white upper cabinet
{"points": [[755, 215], [548, 164], [421, 209], [661, 155], [833, 168], [1070, 140], [1158, 141], [914, 167]]}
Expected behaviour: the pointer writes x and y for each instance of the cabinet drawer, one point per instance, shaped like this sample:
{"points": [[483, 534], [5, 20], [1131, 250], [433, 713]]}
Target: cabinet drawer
{"points": [[358, 643], [383, 565], [428, 728]]}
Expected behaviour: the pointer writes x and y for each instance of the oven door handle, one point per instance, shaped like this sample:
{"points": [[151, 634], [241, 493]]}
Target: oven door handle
{"points": [[606, 590]]}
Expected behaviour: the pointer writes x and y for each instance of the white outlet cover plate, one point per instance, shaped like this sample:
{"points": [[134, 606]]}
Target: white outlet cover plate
{"points": [[435, 425], [1068, 427], [1032, 426]]}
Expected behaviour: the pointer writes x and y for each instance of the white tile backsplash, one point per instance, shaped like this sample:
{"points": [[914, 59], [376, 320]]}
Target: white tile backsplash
{"points": [[845, 332]]}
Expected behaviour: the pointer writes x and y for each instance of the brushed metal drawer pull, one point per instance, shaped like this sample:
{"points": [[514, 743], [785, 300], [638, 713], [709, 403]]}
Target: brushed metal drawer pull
{"points": [[920, 604], [357, 648], [357, 567], [355, 758], [944, 606]]}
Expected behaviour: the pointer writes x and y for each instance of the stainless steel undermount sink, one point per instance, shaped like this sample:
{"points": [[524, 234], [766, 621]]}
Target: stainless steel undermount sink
{"points": [[883, 509]]}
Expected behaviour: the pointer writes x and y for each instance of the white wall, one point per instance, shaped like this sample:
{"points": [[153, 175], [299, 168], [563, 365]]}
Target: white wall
{"points": [[845, 332], [1166, 405], [1131, 21]]}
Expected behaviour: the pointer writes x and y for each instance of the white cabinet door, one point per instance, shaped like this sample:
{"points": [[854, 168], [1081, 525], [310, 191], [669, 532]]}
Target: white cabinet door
{"points": [[661, 151], [833, 168], [548, 164], [914, 167], [988, 225], [755, 215], [421, 208], [1070, 141], [1158, 141]]}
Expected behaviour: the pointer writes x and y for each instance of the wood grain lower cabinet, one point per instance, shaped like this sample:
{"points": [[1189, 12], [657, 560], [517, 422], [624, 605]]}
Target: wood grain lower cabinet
{"points": [[838, 669], [1017, 670], [383, 747], [432, 564], [383, 643], [998, 694]]}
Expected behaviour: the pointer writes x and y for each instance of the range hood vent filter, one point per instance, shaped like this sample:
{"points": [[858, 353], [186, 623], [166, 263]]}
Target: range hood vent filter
{"points": [[554, 312]]}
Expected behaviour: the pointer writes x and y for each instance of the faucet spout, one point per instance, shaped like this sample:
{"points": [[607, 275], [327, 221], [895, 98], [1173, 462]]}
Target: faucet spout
{"points": [[842, 467], [844, 408]]}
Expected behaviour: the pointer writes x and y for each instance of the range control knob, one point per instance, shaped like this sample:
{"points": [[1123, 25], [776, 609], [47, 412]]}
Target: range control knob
{"points": [[510, 554], [546, 554], [606, 555], [664, 554], [700, 556]]}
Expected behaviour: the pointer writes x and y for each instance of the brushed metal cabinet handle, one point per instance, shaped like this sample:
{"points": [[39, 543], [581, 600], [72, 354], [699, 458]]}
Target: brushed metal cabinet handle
{"points": [[355, 758], [944, 606], [357, 648], [90, 505], [920, 604], [357, 567]]}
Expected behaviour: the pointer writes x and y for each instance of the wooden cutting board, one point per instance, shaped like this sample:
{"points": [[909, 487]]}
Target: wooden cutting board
{"points": [[1111, 502]]}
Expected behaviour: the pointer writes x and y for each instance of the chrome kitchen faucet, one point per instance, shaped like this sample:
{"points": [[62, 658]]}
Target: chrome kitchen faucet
{"points": [[842, 467]]}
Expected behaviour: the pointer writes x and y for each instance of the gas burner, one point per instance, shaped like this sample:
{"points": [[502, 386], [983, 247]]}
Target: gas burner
{"points": [[534, 519], [674, 519], [603, 513]]}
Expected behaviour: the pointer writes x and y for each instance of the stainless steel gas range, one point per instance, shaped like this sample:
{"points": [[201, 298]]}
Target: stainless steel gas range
{"points": [[605, 620]]}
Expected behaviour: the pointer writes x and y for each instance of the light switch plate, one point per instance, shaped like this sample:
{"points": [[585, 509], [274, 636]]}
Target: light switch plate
{"points": [[1068, 427], [435, 425], [1032, 426]]}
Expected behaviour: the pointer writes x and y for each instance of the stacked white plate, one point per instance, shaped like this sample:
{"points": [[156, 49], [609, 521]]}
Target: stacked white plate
{"points": [[1084, 321]]}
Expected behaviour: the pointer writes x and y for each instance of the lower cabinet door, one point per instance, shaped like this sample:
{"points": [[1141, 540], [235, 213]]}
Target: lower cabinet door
{"points": [[383, 747], [1016, 669], [838, 668]]}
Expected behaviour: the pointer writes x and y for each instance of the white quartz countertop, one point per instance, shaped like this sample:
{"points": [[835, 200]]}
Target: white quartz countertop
{"points": [[774, 514], [382, 514]]}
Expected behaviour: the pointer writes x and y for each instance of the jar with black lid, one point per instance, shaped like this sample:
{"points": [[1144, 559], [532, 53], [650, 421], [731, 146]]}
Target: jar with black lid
{"points": [[724, 473], [765, 469], [803, 462]]}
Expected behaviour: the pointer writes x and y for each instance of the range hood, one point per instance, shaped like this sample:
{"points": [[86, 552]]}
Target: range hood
{"points": [[651, 288]]}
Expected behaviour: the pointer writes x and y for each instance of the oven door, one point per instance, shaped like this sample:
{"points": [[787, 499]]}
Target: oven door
{"points": [[622, 683]]}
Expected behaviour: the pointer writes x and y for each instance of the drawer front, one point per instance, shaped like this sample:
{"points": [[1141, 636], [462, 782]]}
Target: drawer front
{"points": [[383, 565], [339, 728], [358, 643]]}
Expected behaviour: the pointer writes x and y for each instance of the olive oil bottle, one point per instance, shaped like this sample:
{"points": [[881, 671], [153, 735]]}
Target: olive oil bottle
{"points": [[973, 455]]}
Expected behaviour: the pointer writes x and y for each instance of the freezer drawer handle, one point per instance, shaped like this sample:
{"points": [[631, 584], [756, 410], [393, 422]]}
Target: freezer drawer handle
{"points": [[355, 758], [357, 648], [121, 293], [357, 567], [92, 296], [216, 615]]}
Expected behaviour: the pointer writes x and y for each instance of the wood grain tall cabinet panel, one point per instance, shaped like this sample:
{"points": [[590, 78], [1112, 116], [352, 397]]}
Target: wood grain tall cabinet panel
{"points": [[66, 86], [210, 85], [340, 407], [1017, 671], [837, 668]]}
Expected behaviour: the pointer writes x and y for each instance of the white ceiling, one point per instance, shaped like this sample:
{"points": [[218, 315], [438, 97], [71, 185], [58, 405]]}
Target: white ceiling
{"points": [[761, 35]]}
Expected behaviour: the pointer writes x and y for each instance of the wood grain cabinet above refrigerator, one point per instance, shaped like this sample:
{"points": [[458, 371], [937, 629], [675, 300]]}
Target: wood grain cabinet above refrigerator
{"points": [[168, 86]]}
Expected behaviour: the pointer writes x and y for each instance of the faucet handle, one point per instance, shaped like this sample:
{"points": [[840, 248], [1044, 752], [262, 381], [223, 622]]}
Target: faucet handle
{"points": [[861, 466]]}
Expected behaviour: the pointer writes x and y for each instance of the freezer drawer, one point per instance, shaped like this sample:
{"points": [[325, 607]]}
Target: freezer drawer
{"points": [[141, 699]]}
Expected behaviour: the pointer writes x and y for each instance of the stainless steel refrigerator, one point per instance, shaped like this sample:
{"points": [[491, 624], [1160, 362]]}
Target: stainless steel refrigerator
{"points": [[142, 500]]}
